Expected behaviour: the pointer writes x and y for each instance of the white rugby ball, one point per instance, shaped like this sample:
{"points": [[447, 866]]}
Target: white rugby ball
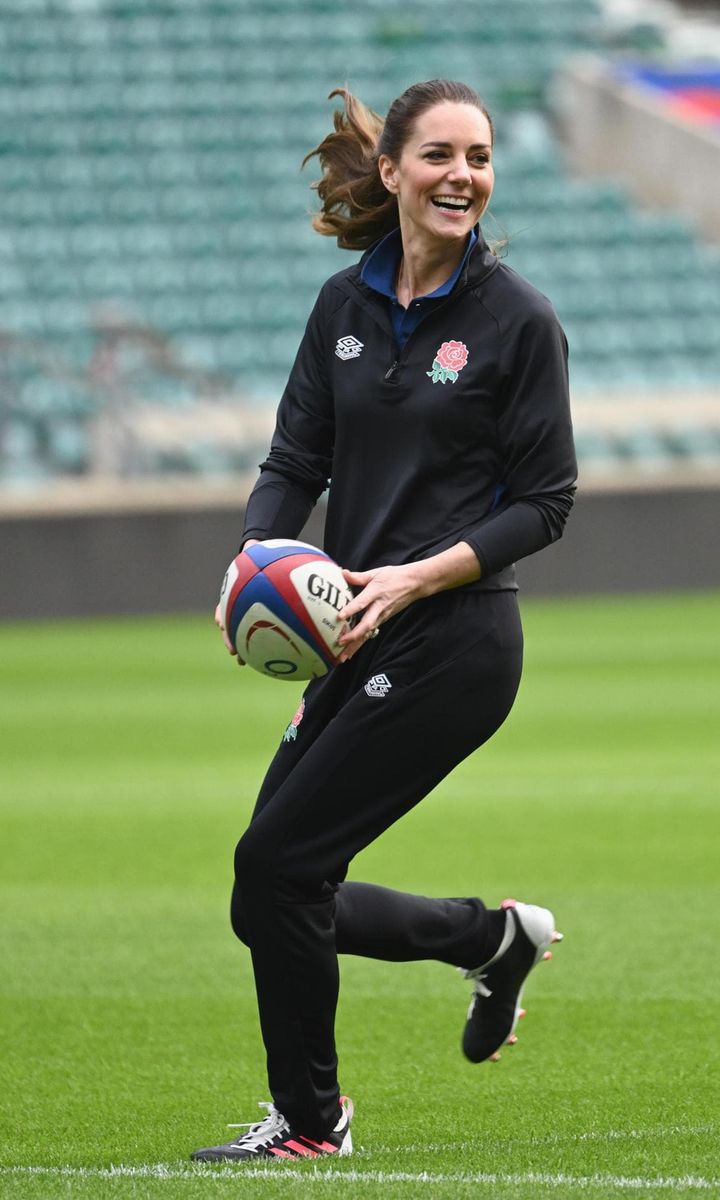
{"points": [[279, 604]]}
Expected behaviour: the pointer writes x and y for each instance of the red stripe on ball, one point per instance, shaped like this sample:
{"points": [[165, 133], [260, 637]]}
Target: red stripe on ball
{"points": [[270, 625], [246, 570], [279, 575]]}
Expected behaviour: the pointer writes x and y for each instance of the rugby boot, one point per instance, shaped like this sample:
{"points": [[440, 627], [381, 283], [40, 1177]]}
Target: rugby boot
{"points": [[498, 984], [274, 1138]]}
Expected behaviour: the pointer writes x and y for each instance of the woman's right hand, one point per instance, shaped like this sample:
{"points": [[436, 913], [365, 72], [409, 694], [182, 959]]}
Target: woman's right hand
{"points": [[218, 618]]}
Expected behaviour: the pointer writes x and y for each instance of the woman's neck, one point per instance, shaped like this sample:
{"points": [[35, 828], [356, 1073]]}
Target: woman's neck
{"points": [[423, 267]]}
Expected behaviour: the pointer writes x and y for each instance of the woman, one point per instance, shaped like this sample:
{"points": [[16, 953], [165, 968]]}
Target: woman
{"points": [[431, 384]]}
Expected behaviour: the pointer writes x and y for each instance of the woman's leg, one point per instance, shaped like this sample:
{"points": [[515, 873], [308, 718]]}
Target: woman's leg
{"points": [[420, 703], [379, 922]]}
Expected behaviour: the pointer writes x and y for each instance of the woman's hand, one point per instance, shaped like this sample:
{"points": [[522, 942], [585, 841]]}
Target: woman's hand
{"points": [[218, 618], [385, 592], [226, 640], [388, 590]]}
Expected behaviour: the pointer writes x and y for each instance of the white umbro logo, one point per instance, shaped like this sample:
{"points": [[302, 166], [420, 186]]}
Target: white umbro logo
{"points": [[378, 686], [349, 347]]}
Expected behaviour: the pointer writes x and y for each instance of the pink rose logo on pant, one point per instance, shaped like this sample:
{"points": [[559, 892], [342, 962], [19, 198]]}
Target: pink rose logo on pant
{"points": [[290, 733], [449, 362]]}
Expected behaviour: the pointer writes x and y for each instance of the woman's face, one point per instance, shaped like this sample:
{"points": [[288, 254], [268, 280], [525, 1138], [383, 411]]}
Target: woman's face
{"points": [[444, 179]]}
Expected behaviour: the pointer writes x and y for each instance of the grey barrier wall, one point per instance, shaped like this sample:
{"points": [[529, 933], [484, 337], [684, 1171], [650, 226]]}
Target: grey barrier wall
{"points": [[171, 559], [611, 127]]}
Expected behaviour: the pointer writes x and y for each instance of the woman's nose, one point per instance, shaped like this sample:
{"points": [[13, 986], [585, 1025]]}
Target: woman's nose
{"points": [[459, 170]]}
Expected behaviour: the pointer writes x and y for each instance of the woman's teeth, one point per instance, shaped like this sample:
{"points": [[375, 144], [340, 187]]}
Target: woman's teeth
{"points": [[457, 203]]}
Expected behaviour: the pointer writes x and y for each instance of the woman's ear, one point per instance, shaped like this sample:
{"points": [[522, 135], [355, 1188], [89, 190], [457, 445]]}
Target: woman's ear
{"points": [[388, 173]]}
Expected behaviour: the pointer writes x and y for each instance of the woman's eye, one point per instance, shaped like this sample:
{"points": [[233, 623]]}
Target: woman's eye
{"points": [[478, 160]]}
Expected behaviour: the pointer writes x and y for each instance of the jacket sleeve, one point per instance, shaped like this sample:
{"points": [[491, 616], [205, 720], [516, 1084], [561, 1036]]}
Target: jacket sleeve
{"points": [[534, 429], [297, 469]]}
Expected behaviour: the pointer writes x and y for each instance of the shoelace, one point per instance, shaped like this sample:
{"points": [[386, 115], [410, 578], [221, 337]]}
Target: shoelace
{"points": [[478, 977], [260, 1133], [479, 974]]}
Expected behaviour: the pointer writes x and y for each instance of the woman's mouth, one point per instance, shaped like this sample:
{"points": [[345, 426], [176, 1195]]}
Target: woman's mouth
{"points": [[447, 203]]}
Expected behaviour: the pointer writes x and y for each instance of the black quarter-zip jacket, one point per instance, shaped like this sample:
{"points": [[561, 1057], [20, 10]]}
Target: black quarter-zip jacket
{"points": [[416, 464]]}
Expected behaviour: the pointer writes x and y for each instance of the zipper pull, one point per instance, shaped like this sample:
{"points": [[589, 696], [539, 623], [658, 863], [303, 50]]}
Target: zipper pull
{"points": [[391, 370]]}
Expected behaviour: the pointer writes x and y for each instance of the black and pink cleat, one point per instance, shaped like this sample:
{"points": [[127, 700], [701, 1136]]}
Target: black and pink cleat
{"points": [[495, 1007], [273, 1138]]}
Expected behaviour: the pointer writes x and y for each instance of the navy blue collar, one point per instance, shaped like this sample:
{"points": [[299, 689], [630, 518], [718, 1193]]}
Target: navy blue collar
{"points": [[380, 268]]}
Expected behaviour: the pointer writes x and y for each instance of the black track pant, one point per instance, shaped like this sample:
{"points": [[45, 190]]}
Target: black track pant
{"points": [[376, 735]]}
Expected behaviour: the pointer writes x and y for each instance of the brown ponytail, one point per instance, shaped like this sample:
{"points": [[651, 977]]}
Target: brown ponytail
{"points": [[356, 207]]}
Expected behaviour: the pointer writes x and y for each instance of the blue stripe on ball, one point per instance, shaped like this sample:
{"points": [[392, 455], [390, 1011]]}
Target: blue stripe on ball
{"points": [[263, 555]]}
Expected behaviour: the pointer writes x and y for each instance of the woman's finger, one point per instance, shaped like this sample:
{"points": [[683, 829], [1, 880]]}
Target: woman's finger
{"points": [[353, 639], [360, 603], [226, 640], [351, 650], [357, 578], [371, 615]]}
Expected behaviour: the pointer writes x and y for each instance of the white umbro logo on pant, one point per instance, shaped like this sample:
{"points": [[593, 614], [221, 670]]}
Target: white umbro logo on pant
{"points": [[378, 686], [349, 347]]}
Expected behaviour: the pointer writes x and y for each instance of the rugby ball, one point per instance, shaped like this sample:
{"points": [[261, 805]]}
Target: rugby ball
{"points": [[279, 603]]}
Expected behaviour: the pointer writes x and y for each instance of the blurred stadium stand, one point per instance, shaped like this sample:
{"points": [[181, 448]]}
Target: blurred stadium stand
{"points": [[155, 247], [157, 263]]}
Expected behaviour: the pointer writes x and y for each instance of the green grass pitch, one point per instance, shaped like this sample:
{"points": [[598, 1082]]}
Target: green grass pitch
{"points": [[131, 752]]}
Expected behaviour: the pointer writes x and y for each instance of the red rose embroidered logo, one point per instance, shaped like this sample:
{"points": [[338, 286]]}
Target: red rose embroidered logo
{"points": [[290, 733], [449, 362]]}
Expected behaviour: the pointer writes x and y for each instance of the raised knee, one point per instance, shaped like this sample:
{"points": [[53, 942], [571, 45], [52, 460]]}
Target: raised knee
{"points": [[269, 870], [254, 861]]}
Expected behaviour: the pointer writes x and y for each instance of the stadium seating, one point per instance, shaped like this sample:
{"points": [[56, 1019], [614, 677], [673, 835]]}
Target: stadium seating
{"points": [[151, 179]]}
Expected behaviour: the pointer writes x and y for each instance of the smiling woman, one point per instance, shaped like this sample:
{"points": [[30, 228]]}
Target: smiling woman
{"points": [[357, 206], [435, 493], [443, 181]]}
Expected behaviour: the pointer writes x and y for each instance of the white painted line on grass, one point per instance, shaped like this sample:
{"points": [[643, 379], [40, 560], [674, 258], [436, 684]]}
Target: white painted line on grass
{"points": [[278, 1172], [592, 1135]]}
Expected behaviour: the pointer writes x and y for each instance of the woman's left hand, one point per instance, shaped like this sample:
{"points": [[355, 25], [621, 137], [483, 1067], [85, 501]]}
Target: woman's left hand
{"points": [[385, 592]]}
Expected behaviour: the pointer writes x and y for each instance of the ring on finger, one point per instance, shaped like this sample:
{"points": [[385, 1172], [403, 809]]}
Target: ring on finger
{"points": [[373, 632]]}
